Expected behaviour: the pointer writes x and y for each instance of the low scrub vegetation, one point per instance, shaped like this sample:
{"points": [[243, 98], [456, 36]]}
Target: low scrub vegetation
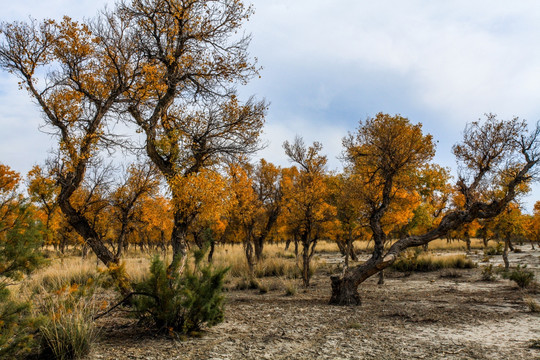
{"points": [[497, 250], [520, 275], [413, 261], [532, 304], [488, 274]]}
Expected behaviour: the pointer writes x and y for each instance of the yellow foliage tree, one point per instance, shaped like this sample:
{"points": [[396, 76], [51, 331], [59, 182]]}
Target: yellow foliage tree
{"points": [[497, 158], [305, 194]]}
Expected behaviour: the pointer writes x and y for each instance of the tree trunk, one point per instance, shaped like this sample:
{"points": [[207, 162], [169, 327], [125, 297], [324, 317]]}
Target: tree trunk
{"points": [[305, 263], [211, 252], [250, 258], [120, 244], [198, 240], [259, 241], [179, 234], [344, 291], [352, 252], [347, 252], [381, 278], [505, 254], [259, 245]]}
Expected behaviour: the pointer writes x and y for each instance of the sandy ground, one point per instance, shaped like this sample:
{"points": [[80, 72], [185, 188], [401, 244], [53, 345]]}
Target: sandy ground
{"points": [[412, 316]]}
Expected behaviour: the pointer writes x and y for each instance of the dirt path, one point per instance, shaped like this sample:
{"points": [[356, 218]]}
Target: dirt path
{"points": [[422, 316]]}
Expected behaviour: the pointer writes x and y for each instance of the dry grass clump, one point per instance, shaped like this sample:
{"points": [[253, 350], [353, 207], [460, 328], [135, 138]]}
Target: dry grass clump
{"points": [[532, 304], [291, 287], [454, 245], [287, 285], [67, 330], [428, 262]]}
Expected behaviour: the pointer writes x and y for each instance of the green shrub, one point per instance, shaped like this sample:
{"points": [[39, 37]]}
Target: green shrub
{"points": [[16, 325], [520, 275], [497, 250], [181, 302], [20, 244], [487, 273]]}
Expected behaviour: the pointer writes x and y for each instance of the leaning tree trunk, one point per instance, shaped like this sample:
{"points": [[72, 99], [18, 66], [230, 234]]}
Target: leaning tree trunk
{"points": [[350, 246], [345, 288], [92, 239]]}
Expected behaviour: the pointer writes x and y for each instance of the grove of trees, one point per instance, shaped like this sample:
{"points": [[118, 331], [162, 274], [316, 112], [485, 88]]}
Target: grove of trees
{"points": [[167, 71]]}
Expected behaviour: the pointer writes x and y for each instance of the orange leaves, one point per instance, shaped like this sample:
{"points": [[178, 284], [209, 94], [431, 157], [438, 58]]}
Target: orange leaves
{"points": [[305, 191], [244, 199], [389, 145], [9, 179], [73, 39], [9, 197], [201, 194], [389, 159]]}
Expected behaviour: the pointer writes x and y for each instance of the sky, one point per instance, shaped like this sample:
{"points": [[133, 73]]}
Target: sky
{"points": [[328, 64]]}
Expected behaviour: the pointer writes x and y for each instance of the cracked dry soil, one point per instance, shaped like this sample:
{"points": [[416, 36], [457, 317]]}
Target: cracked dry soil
{"points": [[421, 316]]}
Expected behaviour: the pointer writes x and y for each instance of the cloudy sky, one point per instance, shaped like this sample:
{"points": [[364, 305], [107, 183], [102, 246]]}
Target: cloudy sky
{"points": [[328, 64]]}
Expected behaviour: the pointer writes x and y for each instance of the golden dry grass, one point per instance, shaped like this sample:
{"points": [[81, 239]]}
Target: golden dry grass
{"points": [[68, 270], [438, 244], [443, 244], [430, 262], [276, 262], [532, 304]]}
